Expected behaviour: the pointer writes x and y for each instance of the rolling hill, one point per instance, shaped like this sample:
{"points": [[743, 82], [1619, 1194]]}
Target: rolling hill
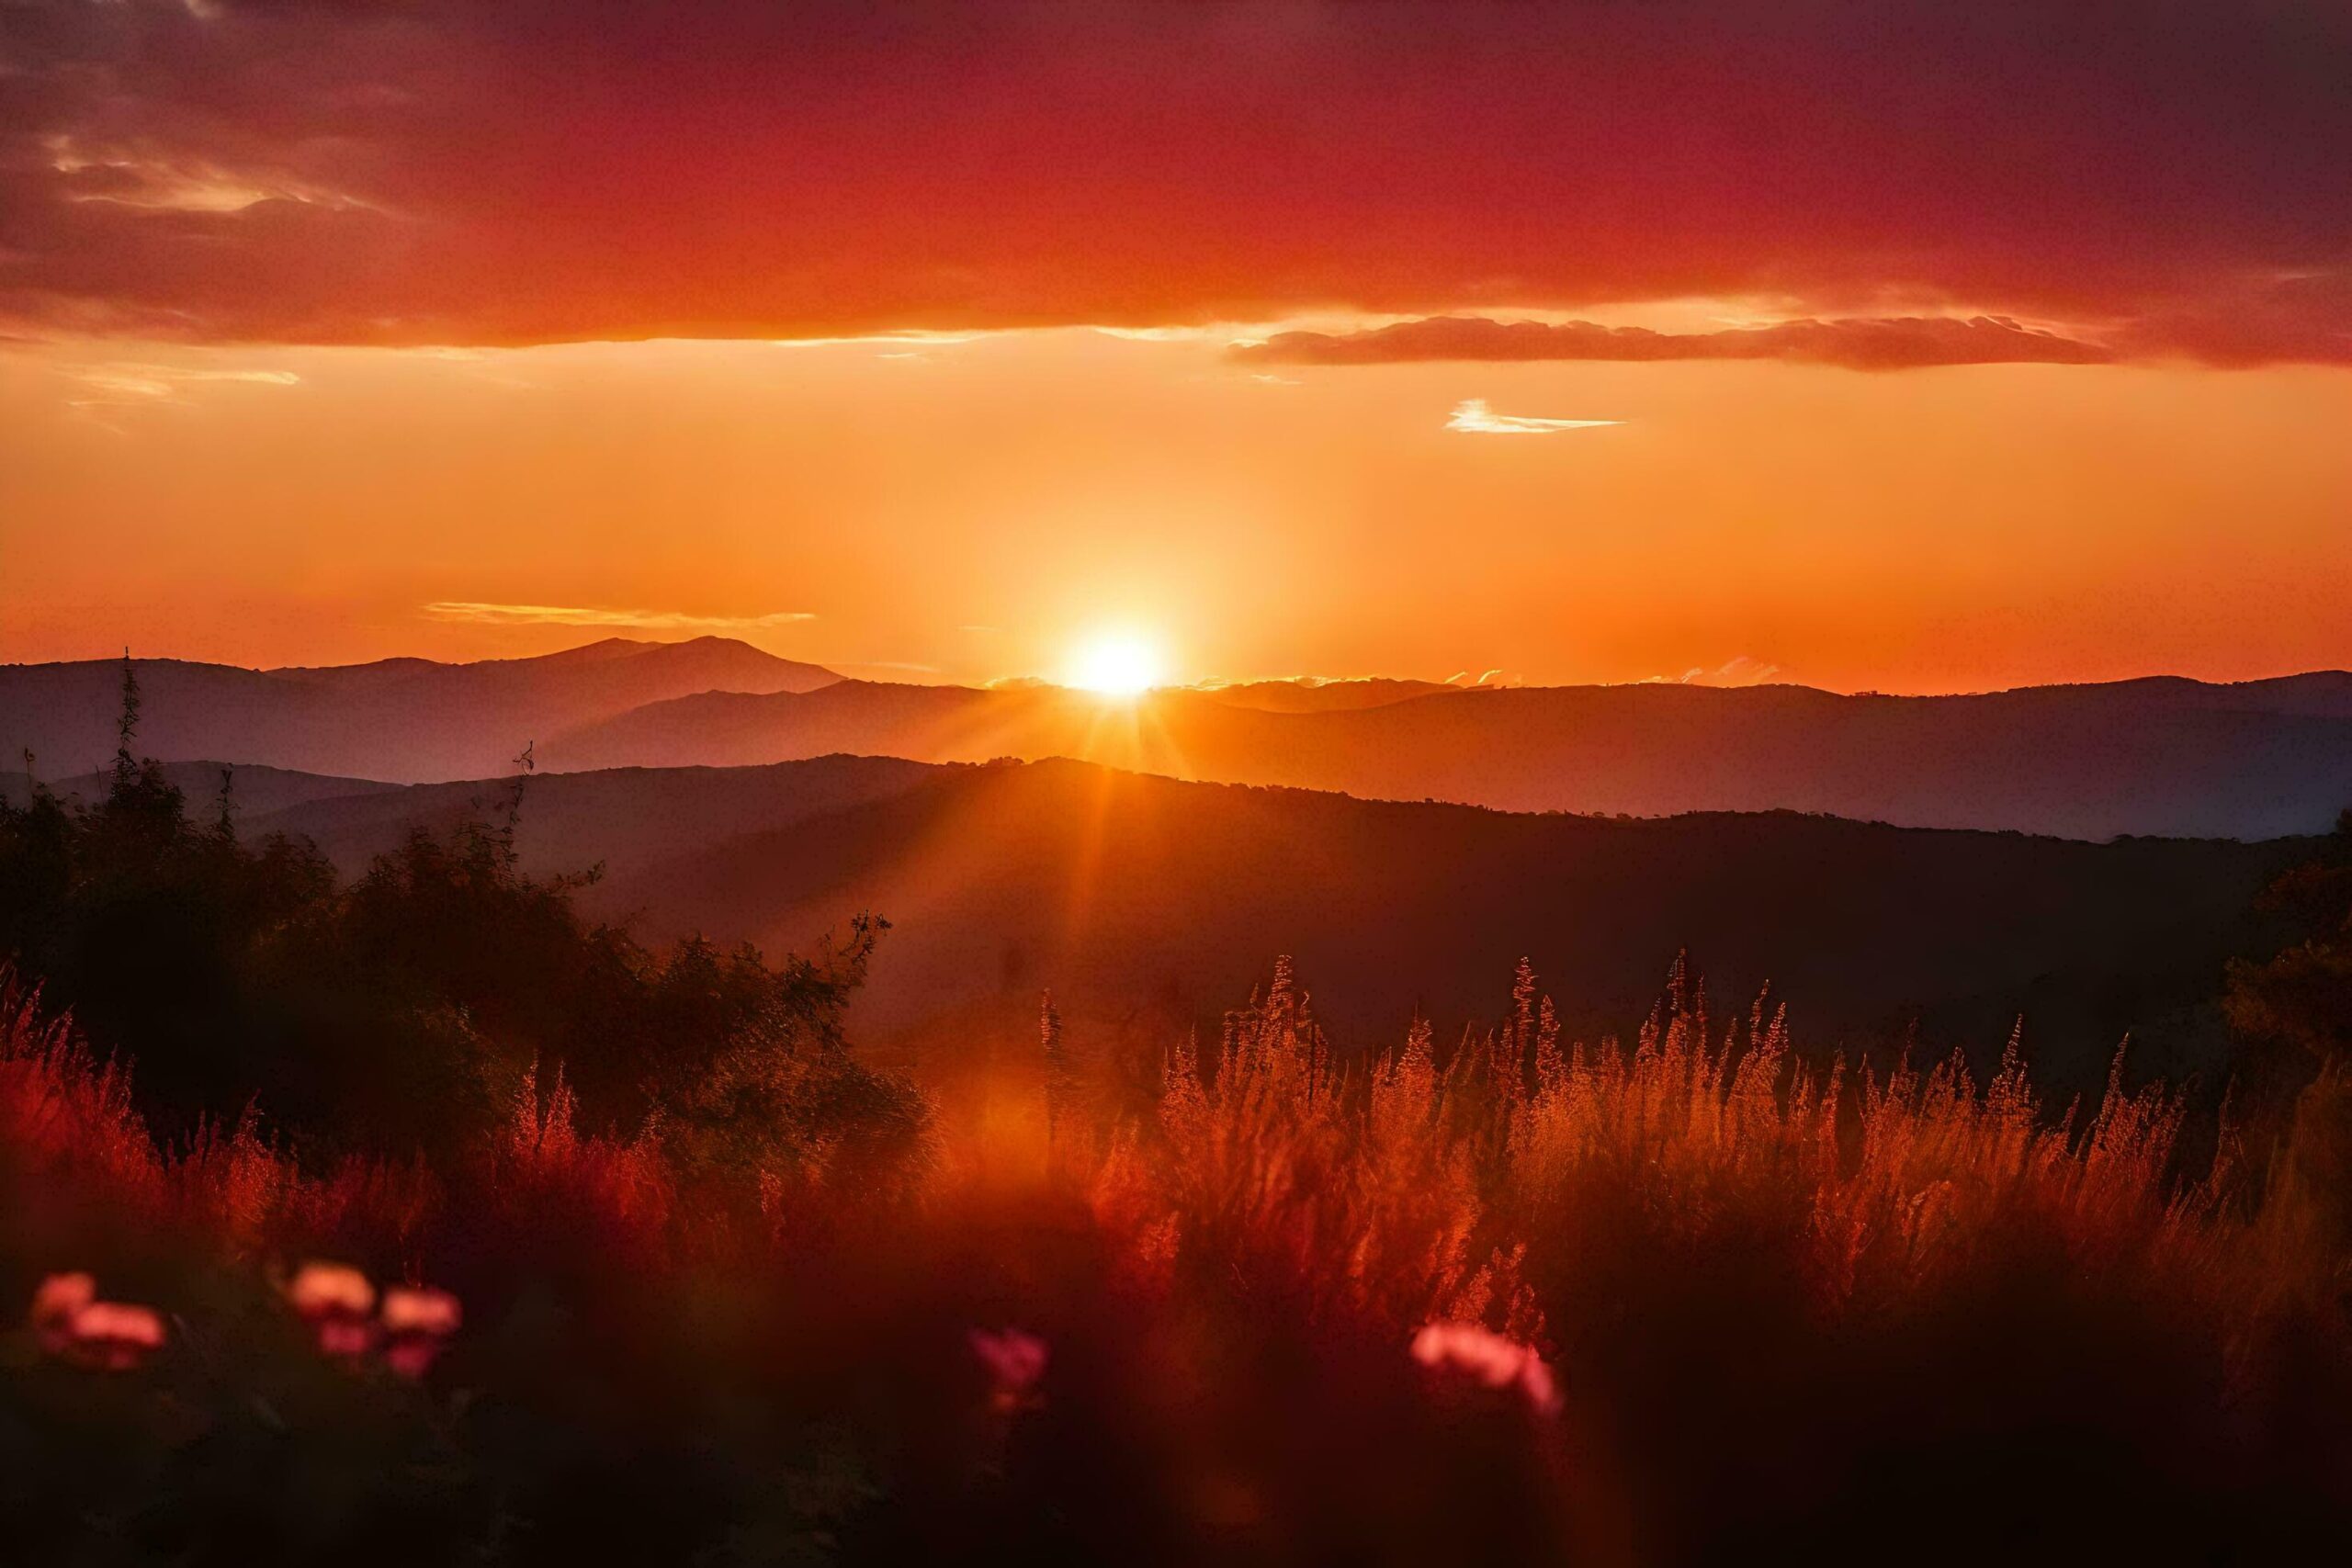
{"points": [[254, 791], [1149, 905], [405, 719], [2160, 756]]}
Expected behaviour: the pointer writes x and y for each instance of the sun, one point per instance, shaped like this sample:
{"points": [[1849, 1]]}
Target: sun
{"points": [[1119, 665]]}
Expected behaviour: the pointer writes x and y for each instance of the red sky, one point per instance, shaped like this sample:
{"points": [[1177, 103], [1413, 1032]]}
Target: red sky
{"points": [[1946, 346]]}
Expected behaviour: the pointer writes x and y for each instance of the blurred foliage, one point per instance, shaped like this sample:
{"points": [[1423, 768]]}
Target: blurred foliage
{"points": [[721, 1302], [2300, 999], [401, 1011]]}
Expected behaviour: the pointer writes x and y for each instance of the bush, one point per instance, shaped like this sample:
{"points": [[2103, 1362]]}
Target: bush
{"points": [[402, 1012]]}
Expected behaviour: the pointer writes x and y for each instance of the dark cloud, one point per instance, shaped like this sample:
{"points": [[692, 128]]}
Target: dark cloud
{"points": [[1902, 343], [527, 169]]}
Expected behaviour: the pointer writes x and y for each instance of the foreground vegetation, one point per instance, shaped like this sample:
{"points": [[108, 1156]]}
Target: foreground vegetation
{"points": [[1727, 1304], [1689, 1298]]}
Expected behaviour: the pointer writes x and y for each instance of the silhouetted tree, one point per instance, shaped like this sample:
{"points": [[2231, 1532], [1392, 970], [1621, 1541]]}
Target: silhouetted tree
{"points": [[2299, 1002], [401, 1009], [2294, 1011], [126, 766]]}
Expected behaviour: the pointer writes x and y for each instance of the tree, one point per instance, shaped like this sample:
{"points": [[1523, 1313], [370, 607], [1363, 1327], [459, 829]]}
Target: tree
{"points": [[401, 1010], [2295, 1010], [126, 766], [2299, 1002]]}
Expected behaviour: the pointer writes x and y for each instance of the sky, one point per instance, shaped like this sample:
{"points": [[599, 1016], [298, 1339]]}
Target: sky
{"points": [[1884, 346]]}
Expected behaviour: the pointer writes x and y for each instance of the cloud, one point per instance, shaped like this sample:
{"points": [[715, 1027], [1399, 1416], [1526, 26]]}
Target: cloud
{"points": [[1900, 342], [1473, 417], [882, 340], [893, 665], [122, 384], [152, 183], [582, 615], [531, 171]]}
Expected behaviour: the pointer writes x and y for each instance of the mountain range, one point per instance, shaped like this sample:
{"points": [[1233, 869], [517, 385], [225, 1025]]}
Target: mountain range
{"points": [[2159, 756], [396, 719], [1149, 904]]}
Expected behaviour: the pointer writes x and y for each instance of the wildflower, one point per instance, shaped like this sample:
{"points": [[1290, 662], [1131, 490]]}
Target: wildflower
{"points": [[1015, 1360], [421, 1310], [1489, 1359], [416, 1321], [68, 1320], [115, 1336], [337, 1302], [59, 1297]]}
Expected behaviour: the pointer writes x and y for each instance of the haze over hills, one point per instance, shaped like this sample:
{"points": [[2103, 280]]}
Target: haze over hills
{"points": [[402, 719], [1321, 695], [1149, 905], [626, 819], [254, 790], [2158, 756]]}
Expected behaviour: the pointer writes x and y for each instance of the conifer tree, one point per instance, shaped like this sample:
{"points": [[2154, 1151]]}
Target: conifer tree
{"points": [[126, 728]]}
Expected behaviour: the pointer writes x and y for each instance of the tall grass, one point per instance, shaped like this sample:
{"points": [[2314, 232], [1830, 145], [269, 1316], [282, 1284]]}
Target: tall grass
{"points": [[1407, 1189], [1756, 1291]]}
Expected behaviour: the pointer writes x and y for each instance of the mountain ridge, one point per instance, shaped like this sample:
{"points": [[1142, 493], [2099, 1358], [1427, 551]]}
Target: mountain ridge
{"points": [[398, 721], [1148, 904], [2154, 755], [2165, 757]]}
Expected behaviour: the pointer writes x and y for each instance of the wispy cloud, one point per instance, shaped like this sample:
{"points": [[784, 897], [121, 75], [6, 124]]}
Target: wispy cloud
{"points": [[142, 181], [476, 614], [1472, 416], [902, 340], [119, 384], [1164, 335], [1897, 342], [893, 665]]}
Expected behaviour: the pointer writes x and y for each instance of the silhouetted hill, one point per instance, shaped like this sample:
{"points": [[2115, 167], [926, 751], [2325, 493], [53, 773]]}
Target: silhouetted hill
{"points": [[257, 791], [625, 818], [1321, 696], [1149, 904], [398, 719], [2162, 756]]}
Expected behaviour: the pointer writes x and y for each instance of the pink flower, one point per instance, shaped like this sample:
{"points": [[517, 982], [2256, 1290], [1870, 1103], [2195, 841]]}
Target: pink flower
{"points": [[337, 1301], [329, 1289], [54, 1303], [417, 1309], [115, 1336], [70, 1321], [1015, 1360], [342, 1337], [1467, 1350], [417, 1320]]}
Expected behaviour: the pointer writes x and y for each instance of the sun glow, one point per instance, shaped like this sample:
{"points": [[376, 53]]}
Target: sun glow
{"points": [[1119, 665]]}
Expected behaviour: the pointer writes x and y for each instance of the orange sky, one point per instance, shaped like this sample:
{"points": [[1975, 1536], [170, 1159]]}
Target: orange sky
{"points": [[1940, 346], [976, 509]]}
